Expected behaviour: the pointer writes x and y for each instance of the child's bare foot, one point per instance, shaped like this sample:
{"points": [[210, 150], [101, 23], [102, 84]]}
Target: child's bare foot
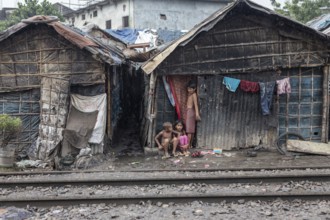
{"points": [[166, 156], [175, 154], [187, 153]]}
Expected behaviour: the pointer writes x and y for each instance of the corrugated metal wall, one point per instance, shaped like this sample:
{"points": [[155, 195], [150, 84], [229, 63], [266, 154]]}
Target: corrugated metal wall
{"points": [[232, 120]]}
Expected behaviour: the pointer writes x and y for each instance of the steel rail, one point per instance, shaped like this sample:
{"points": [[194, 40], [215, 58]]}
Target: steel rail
{"points": [[52, 200], [9, 173], [176, 179], [177, 198]]}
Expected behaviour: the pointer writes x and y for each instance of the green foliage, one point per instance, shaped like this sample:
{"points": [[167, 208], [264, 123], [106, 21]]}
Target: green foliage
{"points": [[10, 127], [301, 10], [28, 9]]}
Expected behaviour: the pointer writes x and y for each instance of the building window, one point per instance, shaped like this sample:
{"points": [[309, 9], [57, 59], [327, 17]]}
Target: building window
{"points": [[125, 21], [163, 16], [83, 17], [108, 24], [94, 13]]}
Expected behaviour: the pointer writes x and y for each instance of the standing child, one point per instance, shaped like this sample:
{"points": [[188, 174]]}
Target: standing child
{"points": [[183, 138], [192, 112], [167, 136]]}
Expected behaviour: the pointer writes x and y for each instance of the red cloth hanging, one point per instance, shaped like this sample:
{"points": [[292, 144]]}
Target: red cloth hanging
{"points": [[248, 86], [177, 104]]}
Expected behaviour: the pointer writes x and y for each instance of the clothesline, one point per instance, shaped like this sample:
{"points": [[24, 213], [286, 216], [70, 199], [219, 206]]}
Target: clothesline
{"points": [[283, 85], [266, 90]]}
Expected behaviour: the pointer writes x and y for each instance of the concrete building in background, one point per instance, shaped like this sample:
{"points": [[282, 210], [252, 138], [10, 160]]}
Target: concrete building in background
{"points": [[5, 13], [140, 14], [62, 9]]}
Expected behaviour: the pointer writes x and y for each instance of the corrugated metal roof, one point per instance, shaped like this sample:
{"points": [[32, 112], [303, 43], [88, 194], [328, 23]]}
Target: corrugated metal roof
{"points": [[211, 21], [75, 36], [320, 23], [326, 31]]}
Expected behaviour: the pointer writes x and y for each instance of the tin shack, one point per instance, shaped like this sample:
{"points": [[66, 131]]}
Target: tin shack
{"points": [[252, 44], [62, 83]]}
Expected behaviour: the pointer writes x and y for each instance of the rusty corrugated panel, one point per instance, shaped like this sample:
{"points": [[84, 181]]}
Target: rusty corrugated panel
{"points": [[71, 36], [100, 50], [231, 120]]}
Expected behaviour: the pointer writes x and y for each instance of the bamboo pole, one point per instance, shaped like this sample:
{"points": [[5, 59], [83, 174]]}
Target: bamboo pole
{"points": [[48, 74], [237, 30], [242, 44], [325, 109], [22, 114], [229, 70], [42, 63], [246, 58], [21, 101], [33, 51]]}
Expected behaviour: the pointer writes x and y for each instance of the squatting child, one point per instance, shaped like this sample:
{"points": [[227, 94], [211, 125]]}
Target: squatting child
{"points": [[168, 138], [183, 138]]}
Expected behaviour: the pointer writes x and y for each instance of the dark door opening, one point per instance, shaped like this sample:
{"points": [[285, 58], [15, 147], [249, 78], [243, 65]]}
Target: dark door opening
{"points": [[126, 141]]}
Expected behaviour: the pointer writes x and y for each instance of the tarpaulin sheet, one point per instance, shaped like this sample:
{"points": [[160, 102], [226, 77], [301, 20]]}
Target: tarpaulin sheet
{"points": [[128, 36], [90, 104], [79, 128], [25, 105], [147, 36], [81, 124]]}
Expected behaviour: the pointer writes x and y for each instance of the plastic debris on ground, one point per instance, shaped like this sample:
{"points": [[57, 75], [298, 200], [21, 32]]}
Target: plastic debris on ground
{"points": [[217, 150]]}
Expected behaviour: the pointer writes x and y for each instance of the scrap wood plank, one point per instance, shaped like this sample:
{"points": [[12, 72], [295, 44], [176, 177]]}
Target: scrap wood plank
{"points": [[308, 147]]}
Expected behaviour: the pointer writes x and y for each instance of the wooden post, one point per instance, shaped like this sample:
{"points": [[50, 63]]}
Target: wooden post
{"points": [[109, 128], [151, 102], [325, 109]]}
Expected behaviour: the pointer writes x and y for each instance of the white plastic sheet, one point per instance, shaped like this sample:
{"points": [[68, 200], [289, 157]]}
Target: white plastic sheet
{"points": [[90, 104], [147, 36]]}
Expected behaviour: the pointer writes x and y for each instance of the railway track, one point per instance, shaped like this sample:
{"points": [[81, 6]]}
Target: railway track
{"points": [[124, 188]]}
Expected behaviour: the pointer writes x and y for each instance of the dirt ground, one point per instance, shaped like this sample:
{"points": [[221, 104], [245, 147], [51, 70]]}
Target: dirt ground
{"points": [[127, 154]]}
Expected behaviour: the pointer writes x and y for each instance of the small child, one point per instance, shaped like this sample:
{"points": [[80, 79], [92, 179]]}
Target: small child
{"points": [[167, 136], [183, 138]]}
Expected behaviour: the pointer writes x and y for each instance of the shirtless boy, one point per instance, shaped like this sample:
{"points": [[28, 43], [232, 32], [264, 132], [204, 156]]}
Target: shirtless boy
{"points": [[168, 137], [192, 112]]}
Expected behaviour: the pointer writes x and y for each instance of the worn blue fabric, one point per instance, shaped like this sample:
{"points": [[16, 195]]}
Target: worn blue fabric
{"points": [[231, 83], [168, 91], [266, 95]]}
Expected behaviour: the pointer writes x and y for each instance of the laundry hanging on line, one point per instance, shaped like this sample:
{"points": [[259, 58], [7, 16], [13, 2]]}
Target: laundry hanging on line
{"points": [[266, 90], [283, 85], [248, 86], [231, 83]]}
